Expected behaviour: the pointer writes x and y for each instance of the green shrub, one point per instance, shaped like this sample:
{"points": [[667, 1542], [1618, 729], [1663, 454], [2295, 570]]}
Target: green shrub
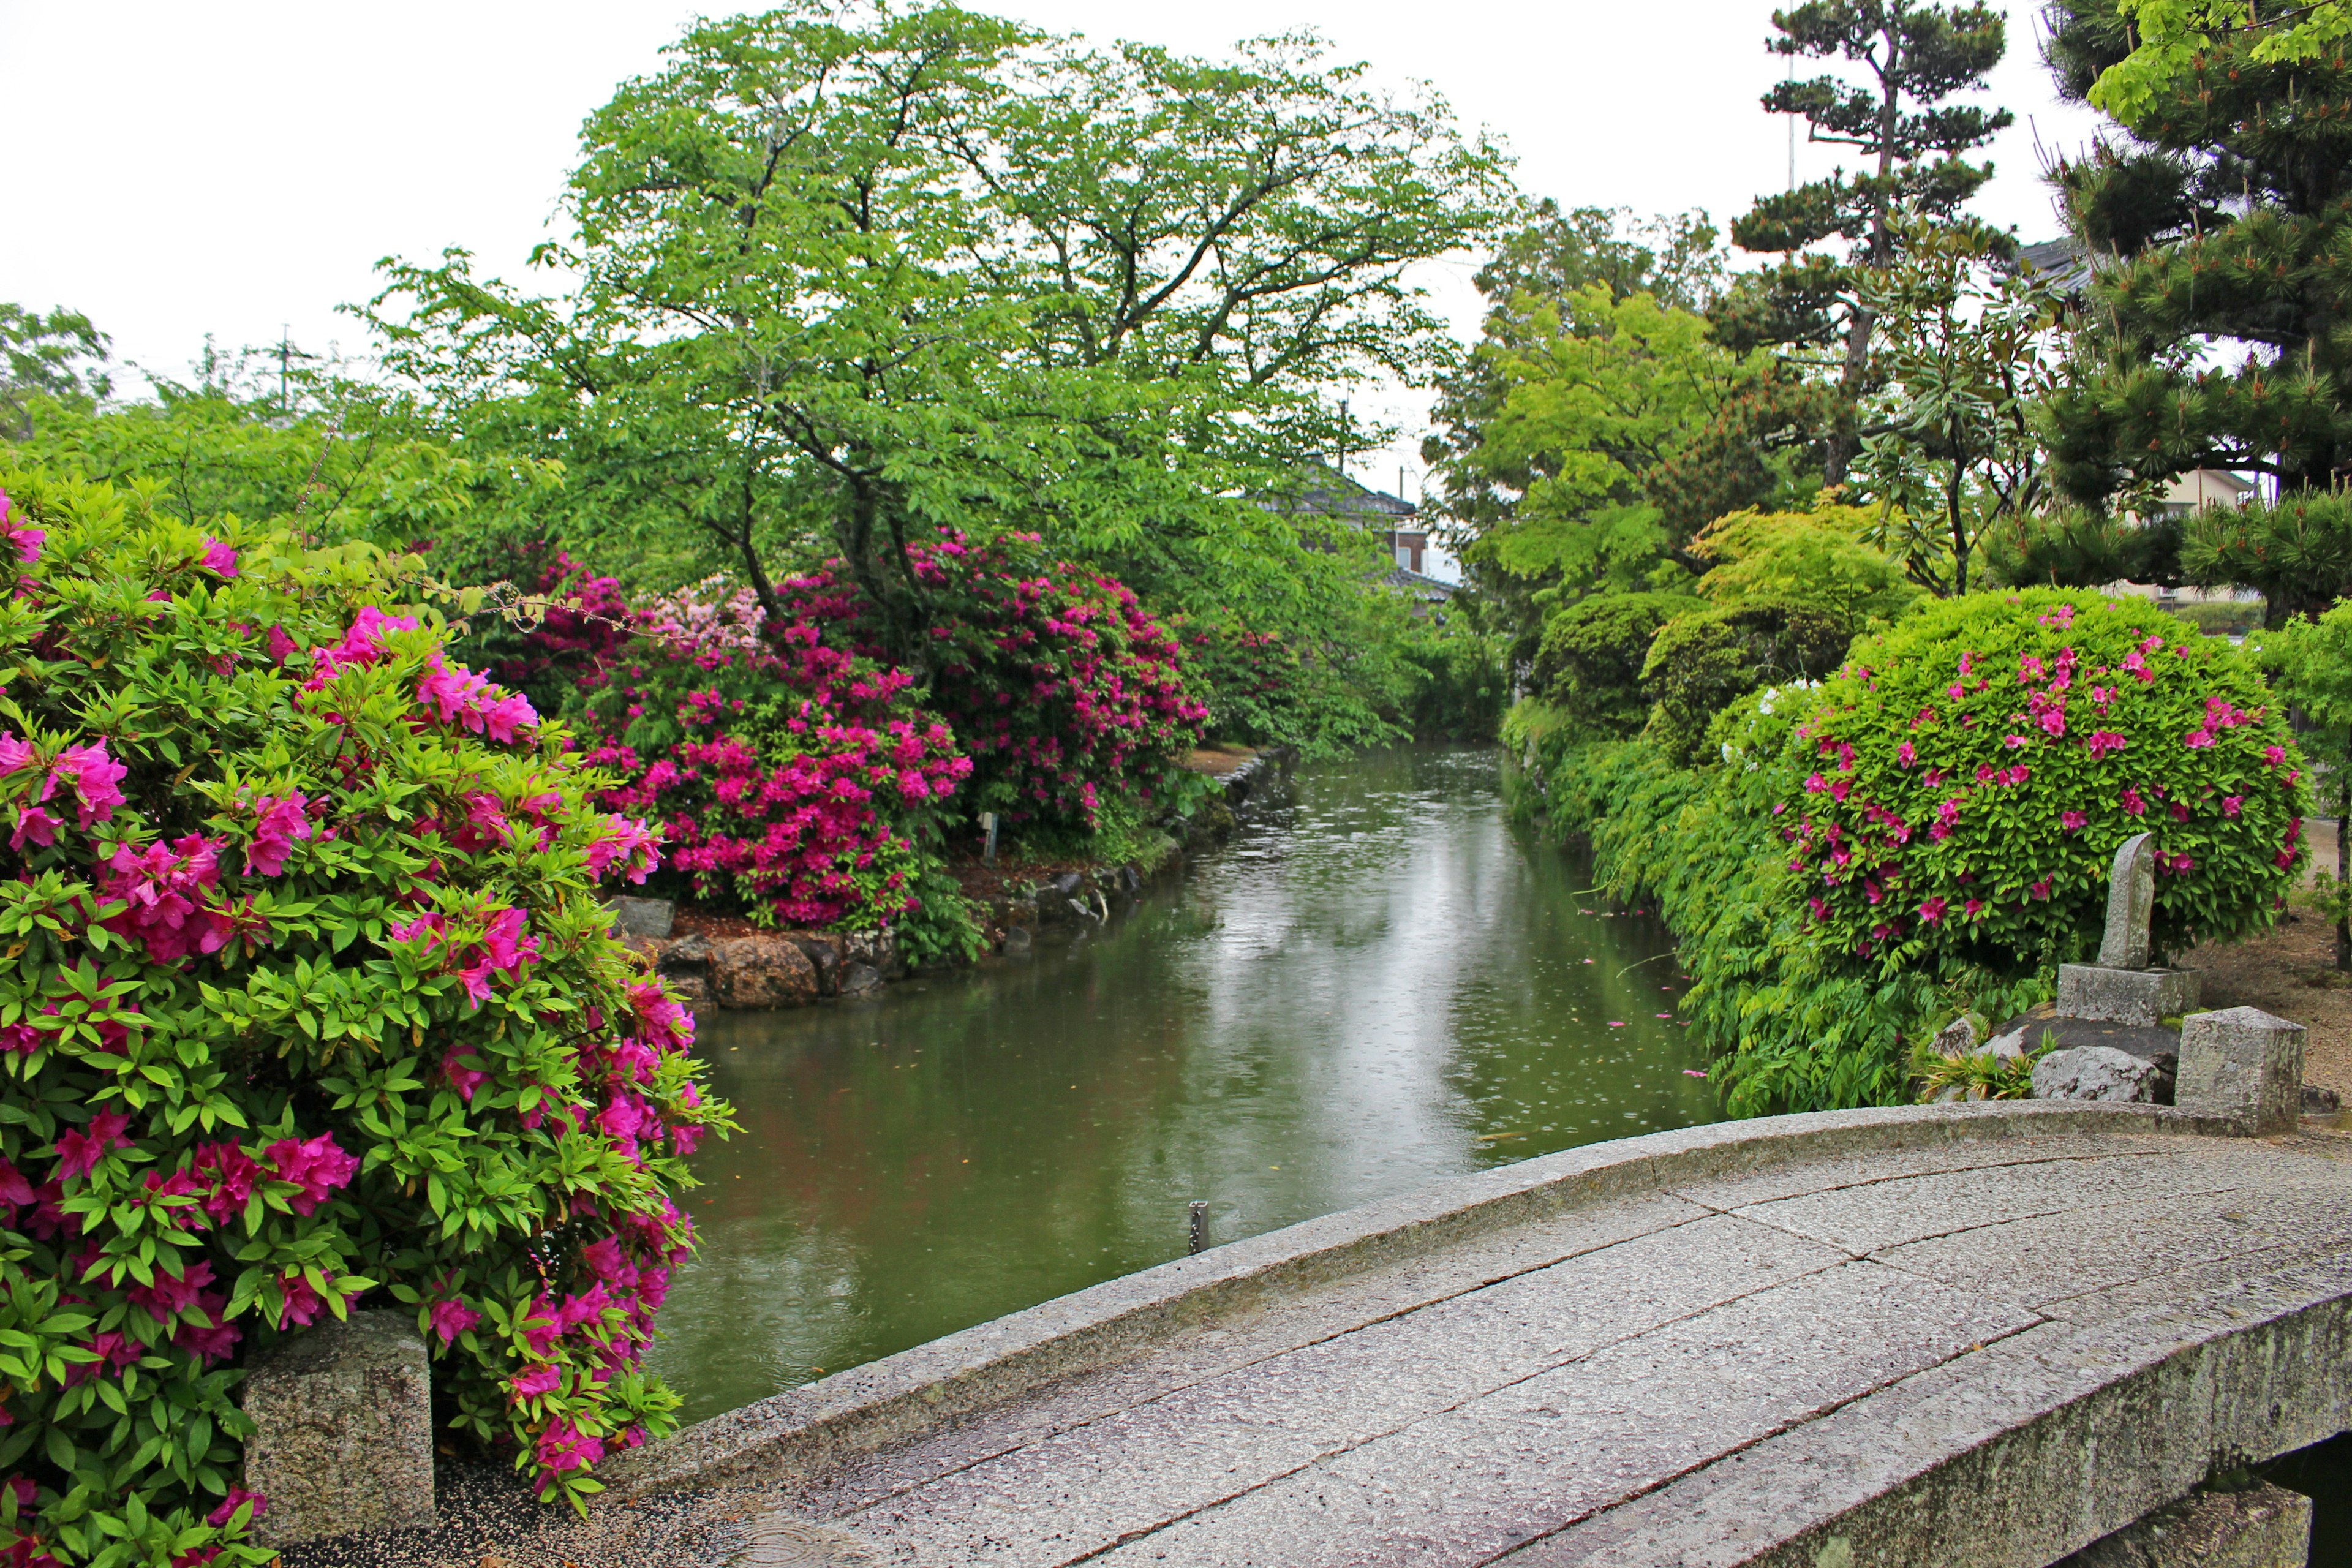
{"points": [[1589, 665], [1462, 688], [311, 1004], [1814, 558], [1798, 1027], [1699, 663], [1972, 772]]}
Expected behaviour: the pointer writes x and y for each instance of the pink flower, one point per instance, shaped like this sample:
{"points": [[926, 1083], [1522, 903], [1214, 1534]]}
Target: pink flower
{"points": [[316, 1165], [279, 822], [168, 891], [2104, 743], [34, 822], [230, 1174], [462, 1078], [2041, 889], [1816, 784], [452, 1317], [631, 844], [2133, 804], [281, 646], [27, 541], [2197, 740], [457, 695], [80, 1152], [239, 1498], [94, 776], [563, 1447], [2233, 803], [1904, 754], [303, 1303], [2274, 756], [2073, 821], [1974, 908], [218, 557], [1932, 910], [533, 1382]]}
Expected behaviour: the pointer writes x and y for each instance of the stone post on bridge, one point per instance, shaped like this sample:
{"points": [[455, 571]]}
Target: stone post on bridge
{"points": [[2121, 987]]}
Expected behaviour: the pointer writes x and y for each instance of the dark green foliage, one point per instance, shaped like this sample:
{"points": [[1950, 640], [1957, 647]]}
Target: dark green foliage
{"points": [[1910, 144], [2298, 552], [2219, 213], [1590, 663], [1701, 662], [1462, 686], [2068, 547]]}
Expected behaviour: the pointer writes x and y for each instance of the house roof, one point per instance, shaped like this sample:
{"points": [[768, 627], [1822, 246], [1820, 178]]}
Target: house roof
{"points": [[1326, 492]]}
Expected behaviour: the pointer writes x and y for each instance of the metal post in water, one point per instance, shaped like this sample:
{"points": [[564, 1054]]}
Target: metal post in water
{"points": [[1200, 1226]]}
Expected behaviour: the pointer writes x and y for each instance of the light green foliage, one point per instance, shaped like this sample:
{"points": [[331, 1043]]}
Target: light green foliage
{"points": [[2311, 661], [1814, 557], [42, 356], [1965, 350], [348, 471], [2173, 35], [1601, 393]]}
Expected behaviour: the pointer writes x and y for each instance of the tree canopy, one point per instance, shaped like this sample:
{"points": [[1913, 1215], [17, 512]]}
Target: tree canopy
{"points": [[847, 276]]}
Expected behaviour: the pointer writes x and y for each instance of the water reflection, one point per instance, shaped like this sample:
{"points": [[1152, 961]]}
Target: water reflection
{"points": [[1380, 984]]}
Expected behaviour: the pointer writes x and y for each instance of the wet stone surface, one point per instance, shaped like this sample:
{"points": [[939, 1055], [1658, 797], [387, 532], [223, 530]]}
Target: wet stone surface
{"points": [[1540, 1394]]}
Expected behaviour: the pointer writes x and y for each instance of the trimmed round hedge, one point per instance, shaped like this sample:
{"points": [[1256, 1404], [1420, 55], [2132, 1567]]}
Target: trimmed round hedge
{"points": [[310, 1004], [1967, 778]]}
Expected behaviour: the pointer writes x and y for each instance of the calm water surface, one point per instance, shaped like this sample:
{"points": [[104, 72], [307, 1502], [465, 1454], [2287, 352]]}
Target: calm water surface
{"points": [[1380, 984]]}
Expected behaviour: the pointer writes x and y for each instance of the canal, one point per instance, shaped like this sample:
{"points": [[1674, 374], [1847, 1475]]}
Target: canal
{"points": [[1379, 983]]}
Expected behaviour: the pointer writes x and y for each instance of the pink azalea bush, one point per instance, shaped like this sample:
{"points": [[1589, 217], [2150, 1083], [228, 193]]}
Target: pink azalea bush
{"points": [[1062, 687], [1963, 785], [790, 776], [311, 1005]]}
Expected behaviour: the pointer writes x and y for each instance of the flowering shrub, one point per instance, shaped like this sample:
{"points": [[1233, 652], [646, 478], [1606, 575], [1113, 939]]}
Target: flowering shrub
{"points": [[1968, 777], [1058, 681], [310, 1004], [793, 777]]}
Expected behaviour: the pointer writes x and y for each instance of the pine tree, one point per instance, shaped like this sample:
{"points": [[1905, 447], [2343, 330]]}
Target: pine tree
{"points": [[1909, 142], [2215, 219]]}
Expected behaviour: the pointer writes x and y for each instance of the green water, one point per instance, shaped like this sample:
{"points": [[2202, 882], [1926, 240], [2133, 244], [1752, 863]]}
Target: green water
{"points": [[1377, 984]]}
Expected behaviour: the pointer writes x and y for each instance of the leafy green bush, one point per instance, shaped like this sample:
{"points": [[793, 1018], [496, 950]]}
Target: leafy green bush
{"points": [[311, 1002], [1973, 772], [1463, 687], [1814, 558], [1798, 1026], [1589, 665], [1702, 661]]}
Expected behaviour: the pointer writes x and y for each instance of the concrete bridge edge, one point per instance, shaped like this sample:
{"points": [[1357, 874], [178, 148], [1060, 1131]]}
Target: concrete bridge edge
{"points": [[806, 1431]]}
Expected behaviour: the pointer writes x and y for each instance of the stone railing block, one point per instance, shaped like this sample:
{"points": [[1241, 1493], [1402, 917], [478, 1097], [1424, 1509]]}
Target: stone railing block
{"points": [[343, 1430], [2139, 996], [2244, 1064], [642, 917]]}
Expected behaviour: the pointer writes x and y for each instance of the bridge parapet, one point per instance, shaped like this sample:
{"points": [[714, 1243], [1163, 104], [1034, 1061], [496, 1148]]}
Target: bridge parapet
{"points": [[1949, 1335]]}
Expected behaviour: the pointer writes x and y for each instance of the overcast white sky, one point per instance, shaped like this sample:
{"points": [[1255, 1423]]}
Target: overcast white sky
{"points": [[182, 169]]}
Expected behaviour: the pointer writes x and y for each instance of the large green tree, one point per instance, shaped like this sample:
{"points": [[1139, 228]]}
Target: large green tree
{"points": [[843, 274], [1907, 61], [2216, 331]]}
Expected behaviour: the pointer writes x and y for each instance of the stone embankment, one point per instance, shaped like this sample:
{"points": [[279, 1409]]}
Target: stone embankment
{"points": [[756, 971]]}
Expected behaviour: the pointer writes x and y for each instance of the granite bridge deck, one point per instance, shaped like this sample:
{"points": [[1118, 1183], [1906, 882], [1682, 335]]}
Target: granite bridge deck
{"points": [[1938, 1335]]}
